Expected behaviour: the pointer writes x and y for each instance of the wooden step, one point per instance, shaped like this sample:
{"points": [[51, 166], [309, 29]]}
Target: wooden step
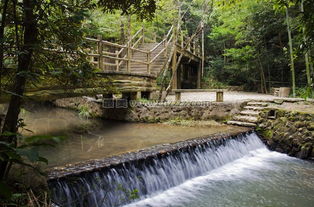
{"points": [[250, 113], [254, 108], [251, 119], [261, 104], [240, 123]]}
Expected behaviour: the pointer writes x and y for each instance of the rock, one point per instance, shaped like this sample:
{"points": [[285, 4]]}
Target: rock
{"points": [[305, 152], [290, 132], [278, 149], [278, 101], [311, 127]]}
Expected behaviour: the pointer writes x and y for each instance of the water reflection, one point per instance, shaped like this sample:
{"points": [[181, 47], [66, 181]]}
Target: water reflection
{"points": [[94, 139]]}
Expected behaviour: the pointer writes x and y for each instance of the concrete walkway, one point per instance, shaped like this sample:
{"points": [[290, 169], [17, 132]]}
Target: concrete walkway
{"points": [[230, 96]]}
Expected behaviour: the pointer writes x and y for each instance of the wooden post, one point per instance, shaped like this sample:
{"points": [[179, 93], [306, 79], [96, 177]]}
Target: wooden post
{"points": [[178, 96], [179, 76], [117, 61], [165, 46], [189, 45], [199, 74], [143, 35], [182, 40], [129, 45], [219, 96], [174, 64], [148, 62], [136, 95], [99, 50]]}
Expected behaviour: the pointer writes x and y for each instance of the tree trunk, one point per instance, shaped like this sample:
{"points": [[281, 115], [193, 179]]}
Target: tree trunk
{"points": [[306, 56], [24, 66], [3, 14], [291, 53], [262, 76]]}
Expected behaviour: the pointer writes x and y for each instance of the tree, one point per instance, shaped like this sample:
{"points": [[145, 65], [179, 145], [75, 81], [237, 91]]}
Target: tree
{"points": [[42, 24], [290, 50]]}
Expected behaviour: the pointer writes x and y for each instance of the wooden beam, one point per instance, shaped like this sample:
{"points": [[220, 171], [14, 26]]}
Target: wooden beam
{"points": [[174, 69], [100, 49]]}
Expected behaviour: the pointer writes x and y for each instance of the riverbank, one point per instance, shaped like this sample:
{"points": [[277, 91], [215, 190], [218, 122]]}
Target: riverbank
{"points": [[288, 131]]}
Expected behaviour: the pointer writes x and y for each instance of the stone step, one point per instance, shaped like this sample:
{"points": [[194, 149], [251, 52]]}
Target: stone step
{"points": [[251, 119], [241, 123], [250, 113], [254, 108], [262, 104]]}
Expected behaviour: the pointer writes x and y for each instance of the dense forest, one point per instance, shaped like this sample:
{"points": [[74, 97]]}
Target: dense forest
{"points": [[256, 44], [247, 42]]}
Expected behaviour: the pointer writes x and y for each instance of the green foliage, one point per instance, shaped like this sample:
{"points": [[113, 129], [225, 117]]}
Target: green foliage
{"points": [[84, 112], [210, 82], [304, 92], [164, 78], [251, 45], [142, 8], [130, 194], [25, 154]]}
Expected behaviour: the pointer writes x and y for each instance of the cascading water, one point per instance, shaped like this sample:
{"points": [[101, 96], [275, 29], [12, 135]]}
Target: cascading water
{"points": [[128, 182]]}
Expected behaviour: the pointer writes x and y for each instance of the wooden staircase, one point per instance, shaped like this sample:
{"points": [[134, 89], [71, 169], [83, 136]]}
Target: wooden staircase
{"points": [[138, 56], [141, 55], [248, 117]]}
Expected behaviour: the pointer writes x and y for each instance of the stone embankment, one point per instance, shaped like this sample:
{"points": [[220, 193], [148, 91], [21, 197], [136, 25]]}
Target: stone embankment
{"points": [[160, 112], [287, 131], [153, 112]]}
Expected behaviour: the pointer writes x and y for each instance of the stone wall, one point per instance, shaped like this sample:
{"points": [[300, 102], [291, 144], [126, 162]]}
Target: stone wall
{"points": [[142, 112], [155, 112], [288, 132]]}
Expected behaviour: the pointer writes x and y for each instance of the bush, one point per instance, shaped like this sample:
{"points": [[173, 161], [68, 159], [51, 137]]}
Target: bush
{"points": [[304, 92]]}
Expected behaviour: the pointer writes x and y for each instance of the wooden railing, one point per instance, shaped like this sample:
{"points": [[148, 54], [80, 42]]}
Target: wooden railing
{"points": [[110, 56], [191, 46]]}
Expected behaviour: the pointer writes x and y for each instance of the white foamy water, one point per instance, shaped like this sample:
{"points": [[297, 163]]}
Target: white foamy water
{"points": [[234, 172], [189, 190]]}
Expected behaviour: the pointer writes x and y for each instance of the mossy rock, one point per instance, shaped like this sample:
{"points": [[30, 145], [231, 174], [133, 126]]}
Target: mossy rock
{"points": [[283, 119], [311, 127], [267, 134], [280, 113], [300, 124]]}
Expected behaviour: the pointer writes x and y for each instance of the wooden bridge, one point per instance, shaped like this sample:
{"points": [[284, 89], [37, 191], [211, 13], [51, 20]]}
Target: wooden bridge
{"points": [[133, 68], [142, 60]]}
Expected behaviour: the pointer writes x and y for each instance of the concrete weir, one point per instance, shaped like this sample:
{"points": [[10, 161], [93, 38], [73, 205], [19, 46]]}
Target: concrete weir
{"points": [[132, 176]]}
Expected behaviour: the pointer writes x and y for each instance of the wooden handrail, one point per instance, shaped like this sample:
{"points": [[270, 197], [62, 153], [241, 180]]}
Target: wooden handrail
{"points": [[154, 48], [134, 36], [139, 50], [112, 44], [117, 58], [169, 32], [163, 50], [132, 46], [137, 42]]}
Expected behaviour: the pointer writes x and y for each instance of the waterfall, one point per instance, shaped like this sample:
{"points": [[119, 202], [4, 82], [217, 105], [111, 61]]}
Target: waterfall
{"points": [[133, 181]]}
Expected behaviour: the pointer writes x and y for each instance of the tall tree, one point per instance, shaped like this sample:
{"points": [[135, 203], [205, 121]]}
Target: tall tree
{"points": [[48, 23], [306, 54], [292, 68]]}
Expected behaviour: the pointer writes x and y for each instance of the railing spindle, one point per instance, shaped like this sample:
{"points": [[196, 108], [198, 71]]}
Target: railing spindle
{"points": [[143, 35], [117, 61], [100, 49], [148, 63]]}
